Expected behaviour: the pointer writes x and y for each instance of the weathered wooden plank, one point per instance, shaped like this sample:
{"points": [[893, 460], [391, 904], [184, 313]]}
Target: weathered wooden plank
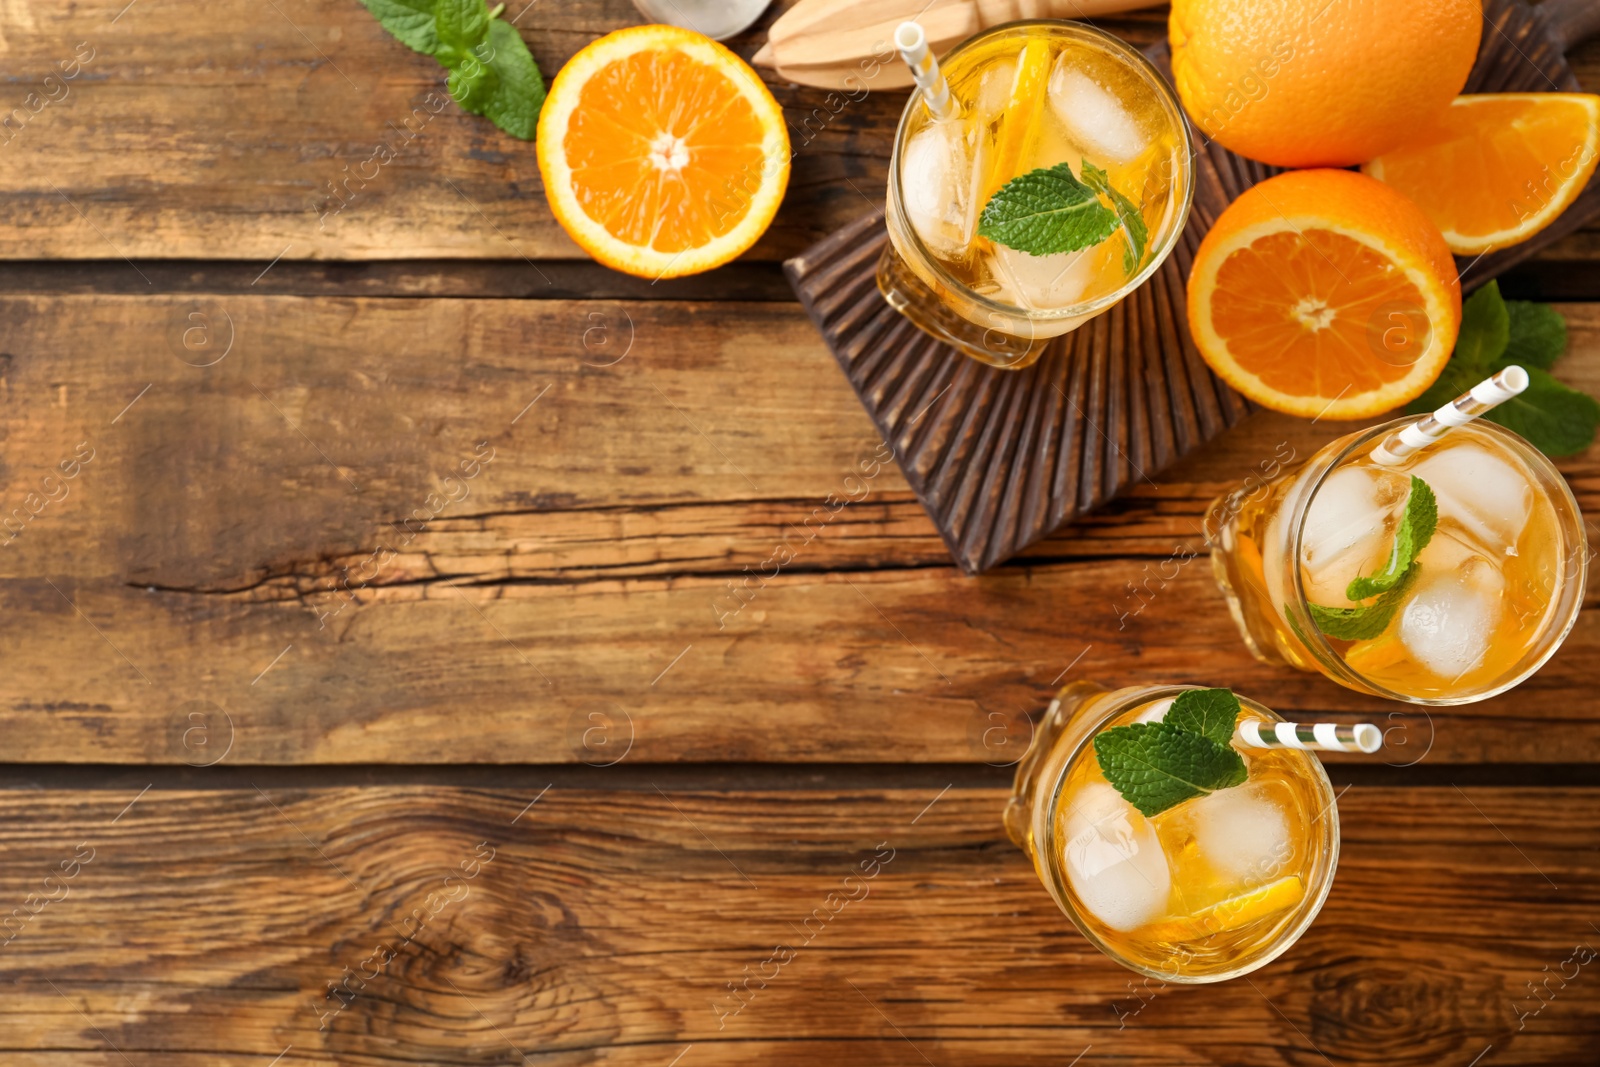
{"points": [[228, 139], [345, 415], [258, 538], [222, 139], [875, 666], [514, 279], [607, 927]]}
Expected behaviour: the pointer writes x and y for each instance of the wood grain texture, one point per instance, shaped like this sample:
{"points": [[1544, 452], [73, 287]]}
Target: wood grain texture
{"points": [[217, 138], [606, 927], [217, 553]]}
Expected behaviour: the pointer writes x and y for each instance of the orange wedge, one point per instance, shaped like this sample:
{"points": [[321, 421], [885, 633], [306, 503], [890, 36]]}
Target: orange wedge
{"points": [[1229, 914], [1019, 122], [1326, 294], [1494, 169], [662, 153]]}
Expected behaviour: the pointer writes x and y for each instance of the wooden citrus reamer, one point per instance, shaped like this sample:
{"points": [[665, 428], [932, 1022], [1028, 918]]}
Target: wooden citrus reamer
{"points": [[848, 44]]}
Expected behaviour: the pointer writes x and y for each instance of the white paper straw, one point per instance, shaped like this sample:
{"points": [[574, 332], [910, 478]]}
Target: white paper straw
{"points": [[1460, 411], [1322, 736], [912, 44]]}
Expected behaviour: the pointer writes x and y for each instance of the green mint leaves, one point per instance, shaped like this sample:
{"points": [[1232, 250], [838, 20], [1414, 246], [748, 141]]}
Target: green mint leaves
{"points": [[1497, 333], [1158, 765], [1416, 530], [1155, 766], [1390, 585], [1536, 334], [1209, 712], [1364, 622], [1127, 214], [492, 73], [409, 20], [1048, 210], [509, 90]]}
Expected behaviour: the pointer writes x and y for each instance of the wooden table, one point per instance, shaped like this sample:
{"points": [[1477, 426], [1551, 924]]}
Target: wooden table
{"points": [[388, 684]]}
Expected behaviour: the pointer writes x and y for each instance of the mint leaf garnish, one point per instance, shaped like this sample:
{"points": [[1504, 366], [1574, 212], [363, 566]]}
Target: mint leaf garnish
{"points": [[1156, 766], [1390, 585], [1209, 712], [409, 20], [1046, 211], [1127, 213], [1416, 530], [1367, 621], [492, 73], [1495, 334], [1538, 334]]}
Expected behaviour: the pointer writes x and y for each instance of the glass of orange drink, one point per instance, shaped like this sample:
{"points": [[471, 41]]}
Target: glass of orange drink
{"points": [[1209, 888], [1027, 97], [1494, 589]]}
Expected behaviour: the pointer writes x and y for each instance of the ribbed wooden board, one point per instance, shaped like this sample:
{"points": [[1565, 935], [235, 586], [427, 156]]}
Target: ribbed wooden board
{"points": [[1001, 459]]}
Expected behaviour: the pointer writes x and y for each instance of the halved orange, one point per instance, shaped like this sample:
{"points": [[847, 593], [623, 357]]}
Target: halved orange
{"points": [[1326, 294], [1496, 168], [662, 153]]}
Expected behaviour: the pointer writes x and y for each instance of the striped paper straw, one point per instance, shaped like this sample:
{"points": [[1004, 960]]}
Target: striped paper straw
{"points": [[912, 44], [1322, 736], [1460, 411]]}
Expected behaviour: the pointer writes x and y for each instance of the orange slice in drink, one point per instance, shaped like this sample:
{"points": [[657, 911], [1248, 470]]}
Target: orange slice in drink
{"points": [[1229, 914], [662, 153], [1019, 122], [1494, 169], [1326, 294], [1378, 654]]}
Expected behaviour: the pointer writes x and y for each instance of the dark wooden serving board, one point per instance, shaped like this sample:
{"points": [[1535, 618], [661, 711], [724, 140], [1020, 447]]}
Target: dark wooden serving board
{"points": [[1003, 458]]}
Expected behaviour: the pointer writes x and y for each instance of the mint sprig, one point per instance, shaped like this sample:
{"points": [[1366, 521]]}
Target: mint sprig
{"points": [[1048, 210], [1211, 713], [1416, 528], [1365, 621], [1158, 765], [1127, 214], [1497, 333], [1390, 585], [492, 73]]}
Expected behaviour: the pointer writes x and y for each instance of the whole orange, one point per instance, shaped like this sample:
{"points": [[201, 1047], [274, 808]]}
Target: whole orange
{"points": [[1319, 83]]}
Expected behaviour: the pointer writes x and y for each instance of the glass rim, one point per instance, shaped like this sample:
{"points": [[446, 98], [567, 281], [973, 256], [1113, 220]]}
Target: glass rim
{"points": [[1158, 255], [1119, 701], [1324, 652]]}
